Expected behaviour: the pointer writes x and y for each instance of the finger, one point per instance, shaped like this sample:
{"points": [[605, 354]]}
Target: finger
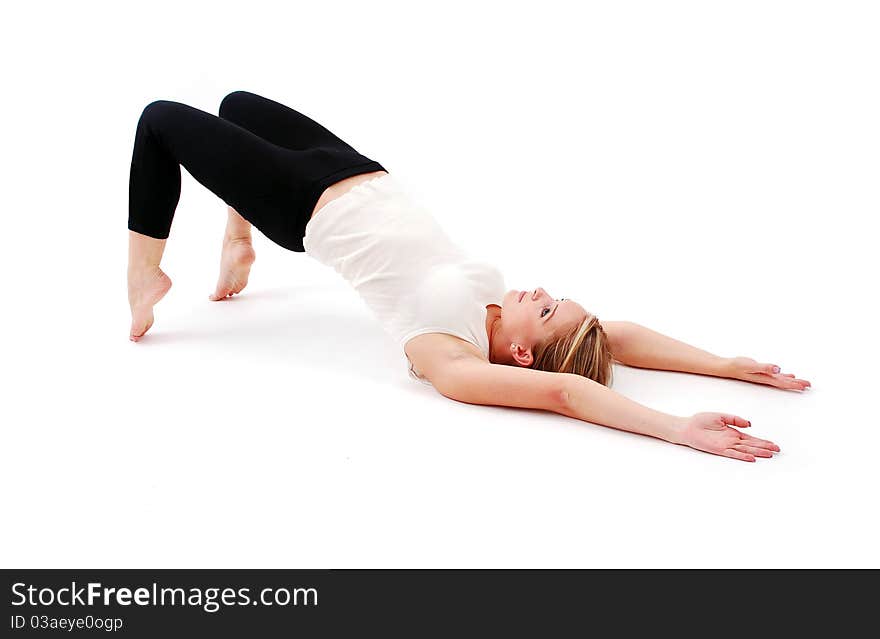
{"points": [[786, 376], [762, 443], [770, 369], [735, 454], [790, 377], [781, 381], [757, 451], [735, 420], [788, 382]]}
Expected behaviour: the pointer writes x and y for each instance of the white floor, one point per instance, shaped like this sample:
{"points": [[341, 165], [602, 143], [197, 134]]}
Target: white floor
{"points": [[279, 429]]}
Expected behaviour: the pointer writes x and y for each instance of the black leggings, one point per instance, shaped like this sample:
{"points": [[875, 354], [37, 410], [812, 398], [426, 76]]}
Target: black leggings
{"points": [[267, 161]]}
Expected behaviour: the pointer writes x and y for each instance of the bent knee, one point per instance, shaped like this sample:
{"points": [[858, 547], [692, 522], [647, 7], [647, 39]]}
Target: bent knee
{"points": [[229, 103], [156, 109]]}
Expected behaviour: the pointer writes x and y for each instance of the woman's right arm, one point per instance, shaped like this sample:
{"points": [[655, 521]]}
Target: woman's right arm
{"points": [[476, 381], [710, 432]]}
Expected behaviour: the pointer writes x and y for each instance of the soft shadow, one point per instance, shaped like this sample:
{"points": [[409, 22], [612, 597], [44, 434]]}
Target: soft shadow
{"points": [[277, 293], [326, 339]]}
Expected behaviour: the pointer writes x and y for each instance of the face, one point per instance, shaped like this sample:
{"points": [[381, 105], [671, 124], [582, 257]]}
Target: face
{"points": [[532, 317]]}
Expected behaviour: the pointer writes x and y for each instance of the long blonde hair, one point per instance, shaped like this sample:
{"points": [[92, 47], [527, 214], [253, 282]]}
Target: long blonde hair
{"points": [[583, 350]]}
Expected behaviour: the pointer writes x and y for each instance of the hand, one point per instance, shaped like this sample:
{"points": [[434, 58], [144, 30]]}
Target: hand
{"points": [[710, 432], [748, 370]]}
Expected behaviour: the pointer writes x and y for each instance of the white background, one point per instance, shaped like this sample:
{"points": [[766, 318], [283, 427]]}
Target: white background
{"points": [[707, 169]]}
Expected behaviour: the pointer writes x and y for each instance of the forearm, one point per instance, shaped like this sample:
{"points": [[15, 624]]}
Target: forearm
{"points": [[644, 348], [590, 401]]}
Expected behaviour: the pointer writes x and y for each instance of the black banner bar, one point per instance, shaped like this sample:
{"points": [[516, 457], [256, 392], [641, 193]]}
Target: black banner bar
{"points": [[316, 603]]}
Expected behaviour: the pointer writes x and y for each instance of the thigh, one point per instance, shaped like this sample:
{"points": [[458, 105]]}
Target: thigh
{"points": [[276, 122], [225, 158], [246, 171]]}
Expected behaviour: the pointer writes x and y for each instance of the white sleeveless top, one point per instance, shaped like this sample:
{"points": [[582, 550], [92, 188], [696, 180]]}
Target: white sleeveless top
{"points": [[399, 260]]}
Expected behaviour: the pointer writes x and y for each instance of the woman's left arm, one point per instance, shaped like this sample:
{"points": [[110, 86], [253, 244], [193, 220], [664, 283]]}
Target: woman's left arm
{"points": [[636, 345]]}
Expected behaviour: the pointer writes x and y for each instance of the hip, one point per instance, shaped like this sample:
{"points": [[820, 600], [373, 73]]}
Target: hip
{"points": [[341, 187]]}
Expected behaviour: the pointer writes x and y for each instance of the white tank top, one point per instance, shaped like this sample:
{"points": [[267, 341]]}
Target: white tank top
{"points": [[406, 269]]}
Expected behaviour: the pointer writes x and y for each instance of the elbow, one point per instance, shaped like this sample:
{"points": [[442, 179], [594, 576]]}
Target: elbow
{"points": [[563, 398]]}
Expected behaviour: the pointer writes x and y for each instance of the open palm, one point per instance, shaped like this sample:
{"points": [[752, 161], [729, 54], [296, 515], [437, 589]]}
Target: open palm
{"points": [[712, 433]]}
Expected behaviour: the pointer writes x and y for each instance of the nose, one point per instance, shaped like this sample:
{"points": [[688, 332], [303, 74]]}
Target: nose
{"points": [[538, 292]]}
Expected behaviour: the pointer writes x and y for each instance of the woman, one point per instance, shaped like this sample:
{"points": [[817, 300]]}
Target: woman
{"points": [[307, 190]]}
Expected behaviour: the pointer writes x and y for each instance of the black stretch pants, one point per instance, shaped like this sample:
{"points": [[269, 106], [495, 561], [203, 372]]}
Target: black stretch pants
{"points": [[267, 161]]}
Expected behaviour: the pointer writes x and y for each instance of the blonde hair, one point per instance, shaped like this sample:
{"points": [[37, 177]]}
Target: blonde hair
{"points": [[583, 350]]}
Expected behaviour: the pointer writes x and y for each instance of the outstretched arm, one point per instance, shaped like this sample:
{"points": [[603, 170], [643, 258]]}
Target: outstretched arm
{"points": [[476, 381], [636, 345]]}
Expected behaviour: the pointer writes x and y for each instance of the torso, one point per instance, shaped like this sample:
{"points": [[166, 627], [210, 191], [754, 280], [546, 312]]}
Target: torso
{"points": [[422, 350], [343, 186]]}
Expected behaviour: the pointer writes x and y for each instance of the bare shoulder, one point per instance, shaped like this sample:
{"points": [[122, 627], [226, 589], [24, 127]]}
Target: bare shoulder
{"points": [[460, 371], [430, 351]]}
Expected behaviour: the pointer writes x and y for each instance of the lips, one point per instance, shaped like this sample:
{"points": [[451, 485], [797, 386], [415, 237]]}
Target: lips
{"points": [[521, 296]]}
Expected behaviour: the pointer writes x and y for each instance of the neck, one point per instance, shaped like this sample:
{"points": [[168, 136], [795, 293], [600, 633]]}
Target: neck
{"points": [[498, 352]]}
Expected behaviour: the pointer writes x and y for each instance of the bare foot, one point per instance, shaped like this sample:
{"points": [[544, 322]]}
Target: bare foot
{"points": [[235, 266], [145, 289]]}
